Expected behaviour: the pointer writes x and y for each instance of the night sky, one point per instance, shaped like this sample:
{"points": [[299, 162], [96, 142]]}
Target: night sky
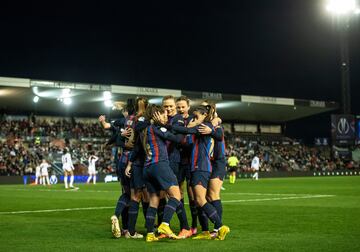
{"points": [[274, 47]]}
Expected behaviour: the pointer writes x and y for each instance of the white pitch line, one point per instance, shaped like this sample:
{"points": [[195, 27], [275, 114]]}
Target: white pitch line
{"points": [[278, 194], [108, 207], [57, 210], [60, 190], [283, 198]]}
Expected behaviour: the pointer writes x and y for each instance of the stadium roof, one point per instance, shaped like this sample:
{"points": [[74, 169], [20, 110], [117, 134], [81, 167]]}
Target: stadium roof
{"points": [[16, 96]]}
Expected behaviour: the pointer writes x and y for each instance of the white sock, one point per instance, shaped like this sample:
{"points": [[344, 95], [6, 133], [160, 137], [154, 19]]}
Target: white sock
{"points": [[89, 179], [256, 175], [47, 179], [94, 179], [44, 181], [41, 181], [71, 180], [65, 181]]}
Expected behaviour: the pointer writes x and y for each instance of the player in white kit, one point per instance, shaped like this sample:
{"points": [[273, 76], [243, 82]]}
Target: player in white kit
{"points": [[38, 179], [92, 169], [44, 172], [255, 165], [68, 168]]}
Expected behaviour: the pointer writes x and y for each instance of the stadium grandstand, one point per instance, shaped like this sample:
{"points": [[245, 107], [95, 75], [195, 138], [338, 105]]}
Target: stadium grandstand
{"points": [[40, 117]]}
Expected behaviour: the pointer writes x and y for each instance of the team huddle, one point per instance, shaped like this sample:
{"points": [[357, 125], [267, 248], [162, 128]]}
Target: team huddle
{"points": [[159, 148]]}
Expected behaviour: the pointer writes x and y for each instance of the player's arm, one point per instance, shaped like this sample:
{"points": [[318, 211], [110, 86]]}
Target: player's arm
{"points": [[141, 124], [166, 135], [216, 133], [103, 122], [128, 169]]}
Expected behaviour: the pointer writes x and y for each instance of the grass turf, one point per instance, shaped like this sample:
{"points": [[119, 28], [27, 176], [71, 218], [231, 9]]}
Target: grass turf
{"points": [[286, 214]]}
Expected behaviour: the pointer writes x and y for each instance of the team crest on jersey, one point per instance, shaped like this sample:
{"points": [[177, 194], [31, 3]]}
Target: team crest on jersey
{"points": [[163, 129], [129, 123], [141, 119]]}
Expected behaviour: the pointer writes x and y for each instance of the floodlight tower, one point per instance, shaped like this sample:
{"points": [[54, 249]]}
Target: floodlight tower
{"points": [[343, 11]]}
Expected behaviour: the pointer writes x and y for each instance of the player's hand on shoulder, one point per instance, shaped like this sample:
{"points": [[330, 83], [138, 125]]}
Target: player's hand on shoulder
{"points": [[204, 129], [216, 121]]}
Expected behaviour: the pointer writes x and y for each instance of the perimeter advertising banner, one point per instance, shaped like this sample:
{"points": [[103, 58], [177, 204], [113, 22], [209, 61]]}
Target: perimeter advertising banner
{"points": [[343, 129]]}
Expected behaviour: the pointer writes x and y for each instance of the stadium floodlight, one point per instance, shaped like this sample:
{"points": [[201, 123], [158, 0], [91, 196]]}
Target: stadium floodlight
{"points": [[66, 92], [108, 103], [157, 100], [342, 7], [67, 101], [36, 99], [343, 11], [107, 95]]}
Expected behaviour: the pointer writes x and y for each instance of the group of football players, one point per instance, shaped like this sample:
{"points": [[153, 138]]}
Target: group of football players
{"points": [[159, 148]]}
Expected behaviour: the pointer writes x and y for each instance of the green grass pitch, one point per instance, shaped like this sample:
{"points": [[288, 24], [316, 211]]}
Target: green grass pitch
{"points": [[285, 214]]}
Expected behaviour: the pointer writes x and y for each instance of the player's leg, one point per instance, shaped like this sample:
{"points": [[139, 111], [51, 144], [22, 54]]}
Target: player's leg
{"points": [[136, 195], [71, 185], [94, 178], [168, 181], [145, 201], [153, 190], [66, 179], [199, 184], [137, 184], [89, 178], [192, 203], [233, 174], [160, 209], [122, 203], [150, 216], [47, 179], [180, 211]]}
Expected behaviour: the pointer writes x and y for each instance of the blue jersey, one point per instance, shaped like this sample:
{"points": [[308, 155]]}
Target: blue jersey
{"points": [[173, 145], [185, 149], [219, 144], [153, 141], [202, 147]]}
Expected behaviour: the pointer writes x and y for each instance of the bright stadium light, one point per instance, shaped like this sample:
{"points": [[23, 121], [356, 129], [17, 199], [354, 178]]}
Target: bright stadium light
{"points": [[108, 103], [36, 99], [343, 11], [342, 7], [67, 101], [107, 95], [66, 92]]}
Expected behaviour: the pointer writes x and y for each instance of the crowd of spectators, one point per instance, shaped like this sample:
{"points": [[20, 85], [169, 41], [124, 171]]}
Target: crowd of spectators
{"points": [[284, 155], [57, 128], [27, 140], [24, 142]]}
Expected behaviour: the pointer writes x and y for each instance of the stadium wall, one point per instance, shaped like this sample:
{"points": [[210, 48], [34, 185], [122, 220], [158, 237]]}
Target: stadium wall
{"points": [[28, 180]]}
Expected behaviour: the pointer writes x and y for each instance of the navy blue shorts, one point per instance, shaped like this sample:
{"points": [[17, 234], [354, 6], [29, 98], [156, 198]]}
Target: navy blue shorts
{"points": [[125, 181], [159, 177], [185, 172], [200, 178], [137, 179], [178, 171], [218, 169]]}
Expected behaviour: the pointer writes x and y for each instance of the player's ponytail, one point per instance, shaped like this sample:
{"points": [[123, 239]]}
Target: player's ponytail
{"points": [[141, 104]]}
